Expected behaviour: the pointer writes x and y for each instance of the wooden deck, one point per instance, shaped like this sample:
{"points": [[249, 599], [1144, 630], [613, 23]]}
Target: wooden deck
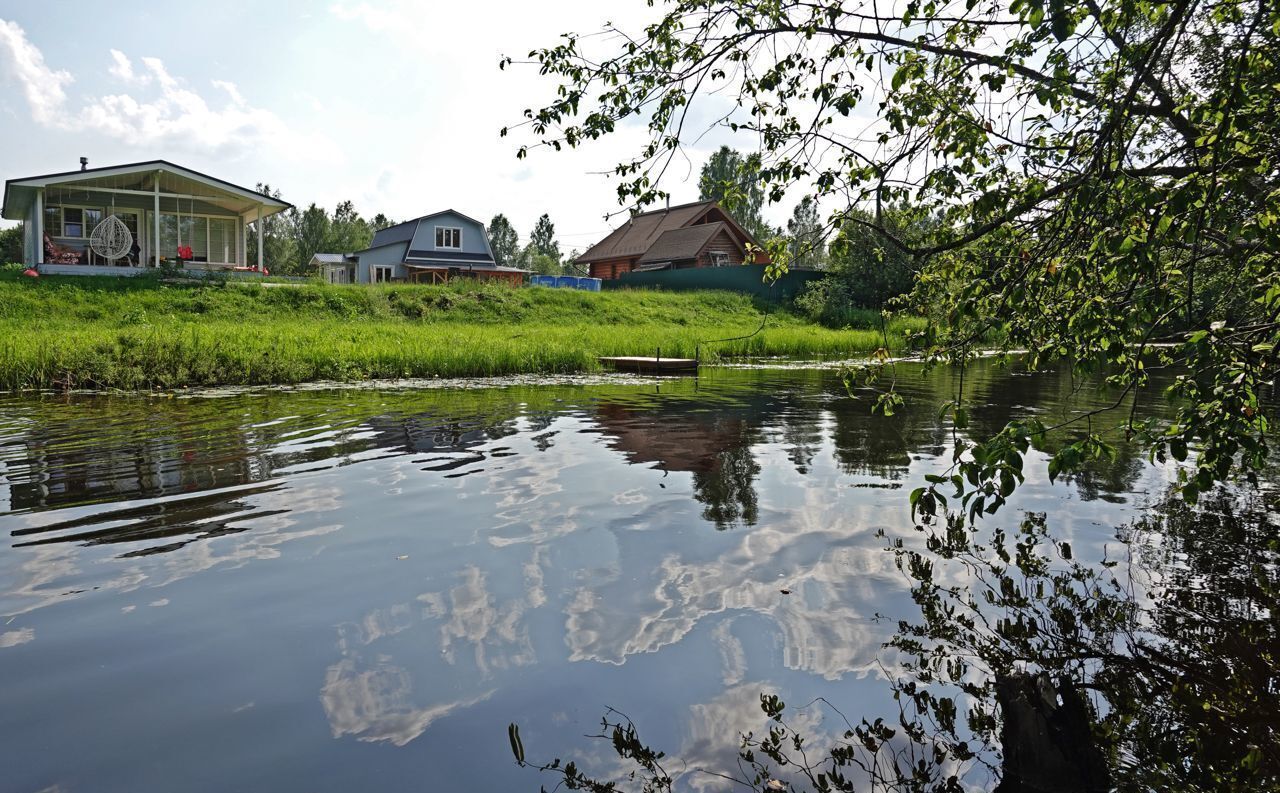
{"points": [[635, 363]]}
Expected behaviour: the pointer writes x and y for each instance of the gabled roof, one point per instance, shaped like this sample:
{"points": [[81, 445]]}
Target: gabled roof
{"points": [[403, 232], [635, 236], [642, 232], [20, 192], [328, 258], [451, 212], [681, 244]]}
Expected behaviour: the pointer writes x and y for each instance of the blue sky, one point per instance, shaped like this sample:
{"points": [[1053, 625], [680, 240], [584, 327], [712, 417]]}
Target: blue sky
{"points": [[393, 105]]}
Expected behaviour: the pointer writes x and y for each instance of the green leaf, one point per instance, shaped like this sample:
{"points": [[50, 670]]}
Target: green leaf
{"points": [[899, 77], [517, 747]]}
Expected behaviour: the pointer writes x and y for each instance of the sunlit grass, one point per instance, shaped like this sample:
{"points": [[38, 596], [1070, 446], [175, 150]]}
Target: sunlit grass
{"points": [[127, 333]]}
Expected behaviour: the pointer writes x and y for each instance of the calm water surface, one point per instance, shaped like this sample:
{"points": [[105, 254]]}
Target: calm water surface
{"points": [[334, 590]]}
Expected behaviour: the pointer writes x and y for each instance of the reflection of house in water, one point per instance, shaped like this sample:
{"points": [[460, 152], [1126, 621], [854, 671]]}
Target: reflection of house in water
{"points": [[56, 464], [55, 470], [715, 447], [176, 522], [450, 442]]}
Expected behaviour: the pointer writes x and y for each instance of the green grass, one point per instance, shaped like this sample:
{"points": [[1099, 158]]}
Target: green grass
{"points": [[97, 332]]}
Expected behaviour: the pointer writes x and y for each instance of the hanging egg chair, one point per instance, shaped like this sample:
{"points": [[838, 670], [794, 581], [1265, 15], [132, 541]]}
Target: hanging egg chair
{"points": [[111, 239]]}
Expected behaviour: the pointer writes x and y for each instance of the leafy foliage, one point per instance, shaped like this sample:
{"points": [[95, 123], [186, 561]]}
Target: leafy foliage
{"points": [[1092, 167], [734, 181], [311, 234], [348, 232], [540, 263], [865, 271], [11, 245], [503, 240], [1102, 180], [542, 240], [806, 236], [279, 249], [290, 239], [1185, 671]]}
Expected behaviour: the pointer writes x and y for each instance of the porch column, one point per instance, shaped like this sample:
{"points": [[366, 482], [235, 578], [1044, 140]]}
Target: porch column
{"points": [[38, 227], [259, 237], [242, 255], [155, 251]]}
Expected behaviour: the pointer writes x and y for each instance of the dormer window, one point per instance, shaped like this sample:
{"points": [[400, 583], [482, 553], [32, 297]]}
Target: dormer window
{"points": [[448, 237]]}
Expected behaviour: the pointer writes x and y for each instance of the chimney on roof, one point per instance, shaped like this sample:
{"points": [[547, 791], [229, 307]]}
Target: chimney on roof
{"points": [[84, 163]]}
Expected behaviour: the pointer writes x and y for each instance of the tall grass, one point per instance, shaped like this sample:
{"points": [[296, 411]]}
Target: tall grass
{"points": [[79, 332]]}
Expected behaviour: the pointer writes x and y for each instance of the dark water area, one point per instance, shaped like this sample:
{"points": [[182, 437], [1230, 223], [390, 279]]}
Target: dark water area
{"points": [[358, 589]]}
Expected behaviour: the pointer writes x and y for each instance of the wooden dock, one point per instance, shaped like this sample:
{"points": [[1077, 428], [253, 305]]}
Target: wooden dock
{"points": [[651, 365]]}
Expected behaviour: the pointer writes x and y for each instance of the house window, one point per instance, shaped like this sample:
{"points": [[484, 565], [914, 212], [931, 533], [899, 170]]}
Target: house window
{"points": [[719, 259], [73, 222], [380, 273], [77, 222], [53, 221], [448, 237], [168, 235], [211, 239], [222, 240], [130, 221]]}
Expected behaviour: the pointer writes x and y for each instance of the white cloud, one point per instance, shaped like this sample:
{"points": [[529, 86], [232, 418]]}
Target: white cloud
{"points": [[820, 552], [232, 91], [374, 701], [42, 86], [15, 638], [122, 69], [156, 67], [170, 116], [481, 175]]}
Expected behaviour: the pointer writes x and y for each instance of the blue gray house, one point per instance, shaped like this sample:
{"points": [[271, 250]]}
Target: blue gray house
{"points": [[431, 249]]}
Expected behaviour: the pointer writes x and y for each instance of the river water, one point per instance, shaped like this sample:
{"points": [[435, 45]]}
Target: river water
{"points": [[358, 589]]}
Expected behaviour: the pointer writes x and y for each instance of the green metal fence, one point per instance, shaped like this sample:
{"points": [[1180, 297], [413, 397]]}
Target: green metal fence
{"points": [[747, 278]]}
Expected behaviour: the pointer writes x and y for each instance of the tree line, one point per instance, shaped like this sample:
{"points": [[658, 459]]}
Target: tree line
{"points": [[541, 255], [290, 239]]}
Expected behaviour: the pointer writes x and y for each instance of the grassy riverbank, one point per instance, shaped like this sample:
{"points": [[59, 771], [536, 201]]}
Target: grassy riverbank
{"points": [[84, 332]]}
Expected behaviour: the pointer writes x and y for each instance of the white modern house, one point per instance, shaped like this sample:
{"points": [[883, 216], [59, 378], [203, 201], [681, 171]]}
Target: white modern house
{"points": [[125, 219]]}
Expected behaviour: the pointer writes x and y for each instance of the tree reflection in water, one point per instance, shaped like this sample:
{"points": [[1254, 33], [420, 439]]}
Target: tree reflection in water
{"points": [[1169, 653], [728, 489]]}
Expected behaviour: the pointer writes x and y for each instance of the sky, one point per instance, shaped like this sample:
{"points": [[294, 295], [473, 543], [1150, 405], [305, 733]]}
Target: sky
{"points": [[393, 105]]}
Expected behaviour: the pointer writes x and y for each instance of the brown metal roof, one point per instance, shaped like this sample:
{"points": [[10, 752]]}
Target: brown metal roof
{"points": [[636, 235], [680, 244]]}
